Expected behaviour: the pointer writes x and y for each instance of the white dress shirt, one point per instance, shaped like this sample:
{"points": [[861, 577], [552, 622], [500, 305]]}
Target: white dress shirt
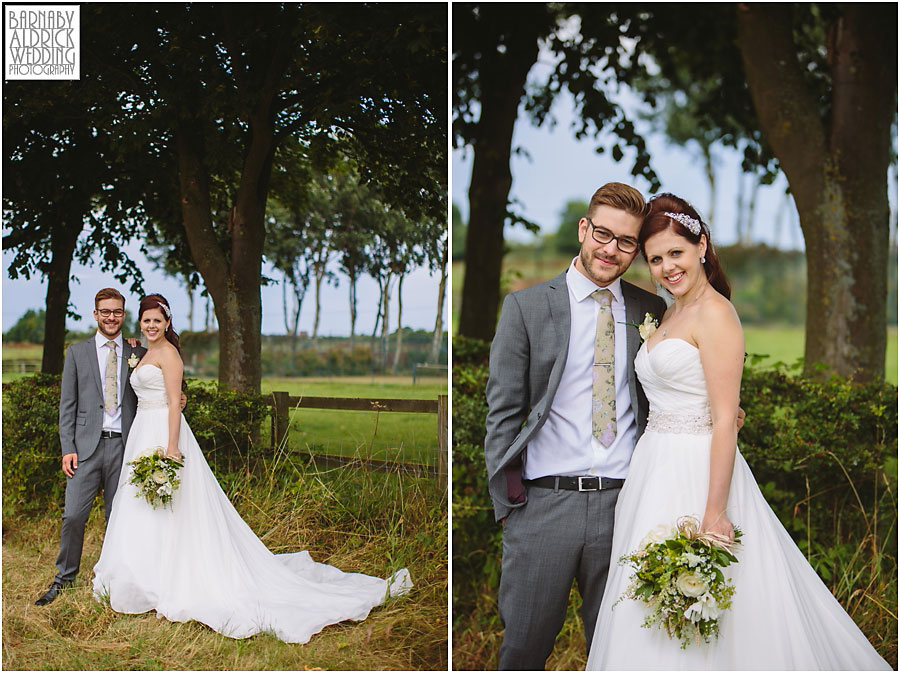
{"points": [[565, 444], [114, 422]]}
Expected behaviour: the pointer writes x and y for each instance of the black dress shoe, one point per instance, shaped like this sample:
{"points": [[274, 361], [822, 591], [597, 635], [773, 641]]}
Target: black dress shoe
{"points": [[50, 596]]}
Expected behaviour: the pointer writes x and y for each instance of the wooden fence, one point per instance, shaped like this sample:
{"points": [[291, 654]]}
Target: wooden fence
{"points": [[282, 403], [22, 365]]}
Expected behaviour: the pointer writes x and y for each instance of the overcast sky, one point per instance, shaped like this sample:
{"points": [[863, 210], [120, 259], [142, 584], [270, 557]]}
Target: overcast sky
{"points": [[561, 169], [419, 300]]}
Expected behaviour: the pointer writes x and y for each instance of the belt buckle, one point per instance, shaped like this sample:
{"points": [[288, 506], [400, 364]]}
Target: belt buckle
{"points": [[581, 487]]}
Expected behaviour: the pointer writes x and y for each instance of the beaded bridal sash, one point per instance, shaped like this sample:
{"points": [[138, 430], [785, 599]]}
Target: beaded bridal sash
{"points": [[152, 404], [700, 424]]}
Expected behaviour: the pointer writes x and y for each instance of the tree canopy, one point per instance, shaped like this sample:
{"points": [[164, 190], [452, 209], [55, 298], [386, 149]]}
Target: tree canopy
{"points": [[200, 97]]}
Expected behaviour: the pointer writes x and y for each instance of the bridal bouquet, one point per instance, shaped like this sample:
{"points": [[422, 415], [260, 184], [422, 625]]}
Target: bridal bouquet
{"points": [[155, 475], [678, 574]]}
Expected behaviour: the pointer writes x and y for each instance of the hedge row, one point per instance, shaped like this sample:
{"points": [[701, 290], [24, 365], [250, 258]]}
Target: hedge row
{"points": [[824, 454]]}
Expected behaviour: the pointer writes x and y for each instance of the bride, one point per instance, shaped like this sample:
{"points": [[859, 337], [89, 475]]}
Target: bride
{"points": [[687, 463], [196, 559]]}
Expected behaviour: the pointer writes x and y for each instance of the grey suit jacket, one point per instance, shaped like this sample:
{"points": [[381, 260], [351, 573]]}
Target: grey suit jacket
{"points": [[528, 356], [81, 398]]}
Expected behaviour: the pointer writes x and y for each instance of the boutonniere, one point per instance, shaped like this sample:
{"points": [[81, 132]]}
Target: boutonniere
{"points": [[646, 328], [133, 360]]}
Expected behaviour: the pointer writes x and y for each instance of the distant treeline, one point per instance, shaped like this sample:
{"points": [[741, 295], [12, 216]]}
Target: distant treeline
{"points": [[768, 284]]}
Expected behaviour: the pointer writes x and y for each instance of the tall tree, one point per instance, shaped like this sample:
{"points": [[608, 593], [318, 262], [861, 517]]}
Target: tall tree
{"points": [[810, 89], [63, 195], [493, 51], [438, 253], [836, 160], [216, 89]]}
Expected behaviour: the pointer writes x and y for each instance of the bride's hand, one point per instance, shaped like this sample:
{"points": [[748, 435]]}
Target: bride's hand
{"points": [[719, 525], [174, 453]]}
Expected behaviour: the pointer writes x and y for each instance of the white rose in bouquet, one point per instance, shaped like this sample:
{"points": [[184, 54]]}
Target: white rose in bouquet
{"points": [[657, 535], [160, 477], [691, 585]]}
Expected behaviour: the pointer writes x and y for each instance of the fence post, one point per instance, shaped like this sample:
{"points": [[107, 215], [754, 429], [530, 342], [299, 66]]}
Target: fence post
{"points": [[442, 440], [279, 417]]}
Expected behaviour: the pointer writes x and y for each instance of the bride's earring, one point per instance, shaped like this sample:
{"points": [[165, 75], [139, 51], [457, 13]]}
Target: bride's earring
{"points": [[703, 260]]}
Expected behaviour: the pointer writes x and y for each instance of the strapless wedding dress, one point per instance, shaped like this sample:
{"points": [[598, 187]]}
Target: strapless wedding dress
{"points": [[196, 559], [783, 617]]}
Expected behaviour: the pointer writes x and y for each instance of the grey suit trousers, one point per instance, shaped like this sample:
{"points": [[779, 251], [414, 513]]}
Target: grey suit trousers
{"points": [[556, 536], [101, 469]]}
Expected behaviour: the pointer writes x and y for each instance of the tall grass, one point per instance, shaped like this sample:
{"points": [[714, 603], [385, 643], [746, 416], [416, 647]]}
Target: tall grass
{"points": [[359, 521]]}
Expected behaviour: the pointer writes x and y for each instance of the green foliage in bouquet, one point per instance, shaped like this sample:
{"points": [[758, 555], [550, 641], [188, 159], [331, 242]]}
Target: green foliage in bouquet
{"points": [[678, 574]]}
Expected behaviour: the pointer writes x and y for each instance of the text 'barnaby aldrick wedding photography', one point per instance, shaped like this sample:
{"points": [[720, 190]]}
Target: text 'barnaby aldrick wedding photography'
{"points": [[42, 41]]}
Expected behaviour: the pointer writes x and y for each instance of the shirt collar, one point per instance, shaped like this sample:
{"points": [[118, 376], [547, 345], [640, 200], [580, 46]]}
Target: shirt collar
{"points": [[583, 287], [100, 341]]}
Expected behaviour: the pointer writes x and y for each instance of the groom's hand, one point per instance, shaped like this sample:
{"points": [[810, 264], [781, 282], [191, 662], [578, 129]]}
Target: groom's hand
{"points": [[69, 464], [741, 415]]}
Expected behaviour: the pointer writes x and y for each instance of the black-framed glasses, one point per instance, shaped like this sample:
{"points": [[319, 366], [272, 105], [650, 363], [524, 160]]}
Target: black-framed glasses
{"points": [[603, 236], [105, 312]]}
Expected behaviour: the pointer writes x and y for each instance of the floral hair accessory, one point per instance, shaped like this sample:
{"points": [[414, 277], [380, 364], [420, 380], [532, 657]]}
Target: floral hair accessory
{"points": [[688, 221], [166, 309]]}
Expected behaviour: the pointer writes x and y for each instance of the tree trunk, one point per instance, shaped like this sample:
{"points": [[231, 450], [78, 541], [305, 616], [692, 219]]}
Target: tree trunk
{"points": [[378, 316], [190, 292], [436, 337], [838, 174], [234, 280], [741, 208], [502, 77], [749, 224], [352, 310], [385, 314], [319, 273], [399, 340], [62, 248], [711, 181]]}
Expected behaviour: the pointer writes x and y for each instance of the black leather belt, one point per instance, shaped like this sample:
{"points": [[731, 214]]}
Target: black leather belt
{"points": [[576, 483], [109, 434]]}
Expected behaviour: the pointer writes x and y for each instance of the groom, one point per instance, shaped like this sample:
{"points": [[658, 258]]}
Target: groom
{"points": [[96, 408], [564, 413]]}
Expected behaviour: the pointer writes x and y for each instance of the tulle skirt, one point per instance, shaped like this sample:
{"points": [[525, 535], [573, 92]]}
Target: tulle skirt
{"points": [[783, 617], [196, 559]]}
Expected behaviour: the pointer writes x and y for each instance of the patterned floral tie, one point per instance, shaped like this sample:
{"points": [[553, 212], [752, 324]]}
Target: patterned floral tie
{"points": [[110, 398], [603, 398]]}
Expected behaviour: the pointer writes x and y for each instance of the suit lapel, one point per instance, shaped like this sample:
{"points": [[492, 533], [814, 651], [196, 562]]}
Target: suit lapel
{"points": [[90, 353], [632, 336], [124, 369], [558, 297]]}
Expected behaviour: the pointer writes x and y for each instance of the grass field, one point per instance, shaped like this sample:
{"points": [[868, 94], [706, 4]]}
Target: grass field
{"points": [[785, 344], [353, 519], [395, 436]]}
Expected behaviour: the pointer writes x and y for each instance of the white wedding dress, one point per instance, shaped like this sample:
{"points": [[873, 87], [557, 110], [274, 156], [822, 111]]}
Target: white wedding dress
{"points": [[196, 559], [783, 617]]}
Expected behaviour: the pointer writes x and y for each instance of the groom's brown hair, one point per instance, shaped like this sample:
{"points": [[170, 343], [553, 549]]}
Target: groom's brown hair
{"points": [[108, 293], [621, 197]]}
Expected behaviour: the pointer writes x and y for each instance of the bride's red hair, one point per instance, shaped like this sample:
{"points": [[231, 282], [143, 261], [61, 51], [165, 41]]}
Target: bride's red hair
{"points": [[157, 301]]}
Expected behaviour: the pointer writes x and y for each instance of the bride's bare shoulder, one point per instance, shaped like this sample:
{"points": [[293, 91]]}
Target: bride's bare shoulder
{"points": [[169, 357], [719, 311]]}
